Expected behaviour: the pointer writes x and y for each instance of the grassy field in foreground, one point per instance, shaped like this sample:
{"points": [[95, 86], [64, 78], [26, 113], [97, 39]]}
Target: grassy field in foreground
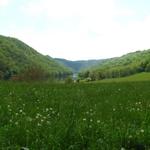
{"points": [[137, 77], [95, 116]]}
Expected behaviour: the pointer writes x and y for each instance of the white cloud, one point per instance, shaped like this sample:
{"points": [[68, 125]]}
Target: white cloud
{"points": [[4, 3], [65, 8], [95, 34]]}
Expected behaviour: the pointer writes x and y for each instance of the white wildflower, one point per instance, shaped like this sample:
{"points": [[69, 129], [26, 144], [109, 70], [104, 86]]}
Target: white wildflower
{"points": [[114, 109], [98, 121], [84, 119], [142, 131], [16, 123], [38, 124]]}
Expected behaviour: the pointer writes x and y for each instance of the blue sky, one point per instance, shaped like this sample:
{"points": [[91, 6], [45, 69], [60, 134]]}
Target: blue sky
{"points": [[78, 29]]}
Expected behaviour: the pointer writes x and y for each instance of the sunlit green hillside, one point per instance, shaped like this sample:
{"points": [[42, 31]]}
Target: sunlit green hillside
{"points": [[126, 65], [137, 77], [15, 56]]}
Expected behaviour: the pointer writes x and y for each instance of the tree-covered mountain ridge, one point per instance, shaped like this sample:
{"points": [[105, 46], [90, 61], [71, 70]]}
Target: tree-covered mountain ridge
{"points": [[125, 65], [16, 57], [77, 66]]}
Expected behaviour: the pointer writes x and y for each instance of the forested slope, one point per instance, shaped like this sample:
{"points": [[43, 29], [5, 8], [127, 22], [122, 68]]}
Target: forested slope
{"points": [[16, 56], [126, 65]]}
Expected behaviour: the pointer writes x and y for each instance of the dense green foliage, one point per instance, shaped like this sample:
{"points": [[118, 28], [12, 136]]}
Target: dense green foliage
{"points": [[126, 65], [77, 66], [101, 116], [16, 57]]}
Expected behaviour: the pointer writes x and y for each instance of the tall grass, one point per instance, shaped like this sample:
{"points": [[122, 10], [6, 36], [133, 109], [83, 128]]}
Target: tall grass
{"points": [[95, 116]]}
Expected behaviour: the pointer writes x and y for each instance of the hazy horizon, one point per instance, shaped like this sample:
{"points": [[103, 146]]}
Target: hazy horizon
{"points": [[78, 30]]}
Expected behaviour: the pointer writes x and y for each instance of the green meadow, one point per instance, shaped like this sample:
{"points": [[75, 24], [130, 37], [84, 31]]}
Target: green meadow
{"points": [[92, 116], [144, 76]]}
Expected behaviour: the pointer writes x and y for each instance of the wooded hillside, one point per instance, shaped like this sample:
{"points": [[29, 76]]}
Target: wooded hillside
{"points": [[126, 65], [16, 57]]}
